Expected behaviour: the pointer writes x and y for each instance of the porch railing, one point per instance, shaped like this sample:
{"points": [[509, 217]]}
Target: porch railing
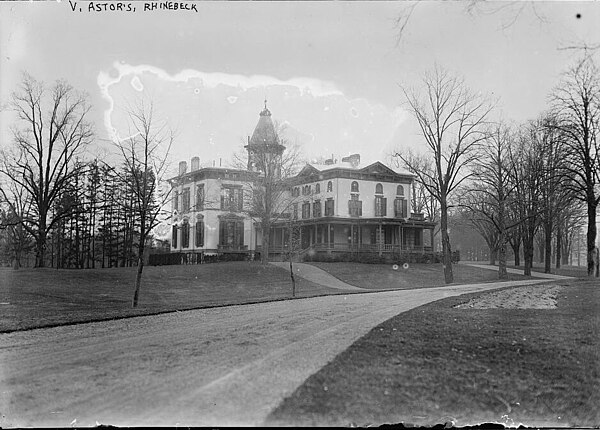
{"points": [[346, 247]]}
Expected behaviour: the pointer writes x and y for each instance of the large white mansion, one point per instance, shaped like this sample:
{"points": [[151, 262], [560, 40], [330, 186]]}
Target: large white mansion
{"points": [[339, 206]]}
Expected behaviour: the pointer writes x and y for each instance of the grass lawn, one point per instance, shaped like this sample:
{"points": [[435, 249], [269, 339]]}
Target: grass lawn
{"points": [[436, 364], [47, 297], [574, 271], [377, 276]]}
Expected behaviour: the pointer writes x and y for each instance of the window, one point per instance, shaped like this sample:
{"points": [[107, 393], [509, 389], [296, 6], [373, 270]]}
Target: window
{"points": [[185, 233], [329, 207], [400, 190], [317, 188], [200, 197], [354, 187], [305, 210], [175, 201], [378, 189], [174, 237], [295, 210], [306, 190], [199, 233], [355, 206], [380, 206], [185, 200], [296, 192], [232, 199], [317, 208], [231, 233], [401, 208], [329, 186]]}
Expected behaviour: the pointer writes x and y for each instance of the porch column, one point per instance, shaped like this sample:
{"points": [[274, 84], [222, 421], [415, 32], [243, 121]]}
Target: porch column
{"points": [[329, 237], [380, 239], [431, 235], [282, 238]]}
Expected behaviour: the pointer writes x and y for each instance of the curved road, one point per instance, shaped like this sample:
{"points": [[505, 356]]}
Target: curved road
{"points": [[210, 367]]}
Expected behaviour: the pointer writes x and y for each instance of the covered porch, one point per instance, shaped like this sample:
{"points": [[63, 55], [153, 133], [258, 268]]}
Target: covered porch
{"points": [[356, 235]]}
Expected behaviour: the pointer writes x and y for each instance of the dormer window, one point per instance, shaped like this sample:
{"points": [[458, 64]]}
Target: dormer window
{"points": [[354, 187], [378, 189]]}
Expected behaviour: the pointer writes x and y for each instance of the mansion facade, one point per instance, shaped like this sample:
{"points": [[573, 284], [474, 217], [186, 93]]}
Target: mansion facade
{"points": [[337, 207]]}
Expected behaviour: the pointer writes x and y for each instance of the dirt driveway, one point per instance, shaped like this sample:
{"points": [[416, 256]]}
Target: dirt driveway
{"points": [[210, 367]]}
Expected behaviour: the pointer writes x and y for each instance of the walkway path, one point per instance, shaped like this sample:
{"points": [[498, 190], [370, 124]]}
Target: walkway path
{"points": [[518, 271], [318, 276], [210, 367]]}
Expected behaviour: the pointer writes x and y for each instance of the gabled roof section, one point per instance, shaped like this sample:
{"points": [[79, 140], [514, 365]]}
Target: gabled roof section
{"points": [[308, 170], [378, 167]]}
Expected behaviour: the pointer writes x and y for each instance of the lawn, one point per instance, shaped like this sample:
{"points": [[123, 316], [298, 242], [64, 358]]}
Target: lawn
{"points": [[437, 364], [47, 297], [378, 276]]}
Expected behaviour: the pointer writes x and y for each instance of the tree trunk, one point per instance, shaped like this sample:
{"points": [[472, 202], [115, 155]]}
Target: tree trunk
{"points": [[591, 234], [40, 247], [516, 247], [138, 279], [558, 246], [493, 255], [292, 276], [446, 249], [264, 252], [528, 256], [547, 246], [502, 273]]}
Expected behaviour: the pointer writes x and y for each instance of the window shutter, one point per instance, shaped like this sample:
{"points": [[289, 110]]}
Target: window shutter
{"points": [[384, 206], [359, 208], [222, 202], [174, 241], [404, 208], [240, 203], [199, 233]]}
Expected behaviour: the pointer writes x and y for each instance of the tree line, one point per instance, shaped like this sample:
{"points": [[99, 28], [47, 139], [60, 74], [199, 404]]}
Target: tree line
{"points": [[520, 185], [73, 212]]}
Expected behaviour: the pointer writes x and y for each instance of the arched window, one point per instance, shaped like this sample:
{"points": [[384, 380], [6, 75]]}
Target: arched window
{"points": [[400, 190], [378, 189], [329, 186], [354, 187], [317, 188]]}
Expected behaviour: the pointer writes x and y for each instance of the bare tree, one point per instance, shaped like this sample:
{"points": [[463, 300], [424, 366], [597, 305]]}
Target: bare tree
{"points": [[452, 120], [269, 199], [53, 134], [15, 240], [488, 196], [144, 154], [526, 164], [576, 102]]}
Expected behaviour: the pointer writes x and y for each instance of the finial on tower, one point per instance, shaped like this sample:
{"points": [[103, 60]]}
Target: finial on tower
{"points": [[266, 111]]}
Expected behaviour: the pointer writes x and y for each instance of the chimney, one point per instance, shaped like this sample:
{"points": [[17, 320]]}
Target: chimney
{"points": [[353, 159], [195, 163], [182, 168], [329, 161]]}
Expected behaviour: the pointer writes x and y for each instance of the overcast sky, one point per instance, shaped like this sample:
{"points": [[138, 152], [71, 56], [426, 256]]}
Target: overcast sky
{"points": [[331, 71]]}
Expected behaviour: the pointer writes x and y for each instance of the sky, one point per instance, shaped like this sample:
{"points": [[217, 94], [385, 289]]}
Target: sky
{"points": [[332, 72]]}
